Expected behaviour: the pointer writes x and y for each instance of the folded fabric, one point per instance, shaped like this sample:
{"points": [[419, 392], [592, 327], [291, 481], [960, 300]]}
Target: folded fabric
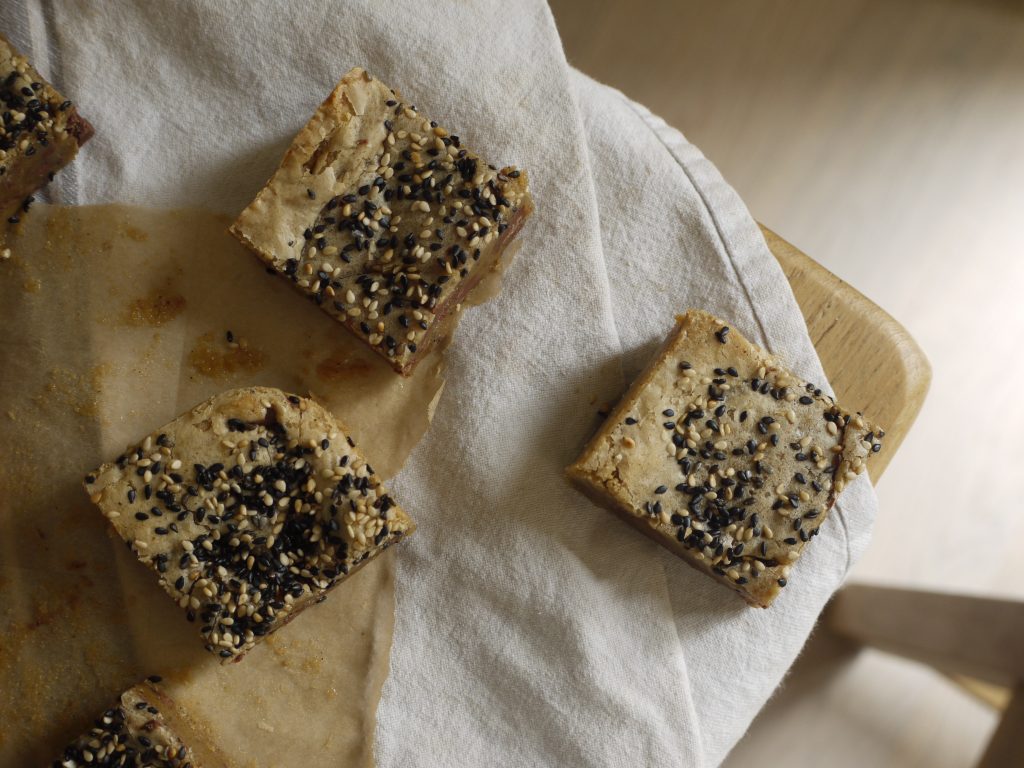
{"points": [[676, 235], [532, 628]]}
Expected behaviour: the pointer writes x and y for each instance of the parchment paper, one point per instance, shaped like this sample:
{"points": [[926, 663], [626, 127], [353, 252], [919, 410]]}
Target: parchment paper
{"points": [[115, 321]]}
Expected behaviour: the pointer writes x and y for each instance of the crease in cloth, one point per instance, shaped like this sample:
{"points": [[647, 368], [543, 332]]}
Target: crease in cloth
{"points": [[651, 121]]}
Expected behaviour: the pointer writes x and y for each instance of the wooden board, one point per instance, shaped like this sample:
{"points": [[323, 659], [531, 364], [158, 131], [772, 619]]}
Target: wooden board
{"points": [[1006, 747], [872, 362]]}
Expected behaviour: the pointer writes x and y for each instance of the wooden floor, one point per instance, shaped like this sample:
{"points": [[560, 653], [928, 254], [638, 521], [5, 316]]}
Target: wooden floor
{"points": [[882, 137]]}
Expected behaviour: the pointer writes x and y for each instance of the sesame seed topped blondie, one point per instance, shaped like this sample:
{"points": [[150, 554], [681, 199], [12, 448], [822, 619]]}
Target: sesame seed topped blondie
{"points": [[384, 218], [250, 507], [40, 132], [725, 457], [137, 732]]}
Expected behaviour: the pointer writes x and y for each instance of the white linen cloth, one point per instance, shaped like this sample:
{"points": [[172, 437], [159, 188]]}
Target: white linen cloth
{"points": [[532, 628]]}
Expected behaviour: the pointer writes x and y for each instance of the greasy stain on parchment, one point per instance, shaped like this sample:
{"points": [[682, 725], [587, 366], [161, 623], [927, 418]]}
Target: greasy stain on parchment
{"points": [[216, 360], [154, 310], [342, 365], [80, 618], [72, 390]]}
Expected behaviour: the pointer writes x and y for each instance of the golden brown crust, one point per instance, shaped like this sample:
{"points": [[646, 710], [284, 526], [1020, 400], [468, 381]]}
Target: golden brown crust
{"points": [[250, 507], [725, 457], [383, 218]]}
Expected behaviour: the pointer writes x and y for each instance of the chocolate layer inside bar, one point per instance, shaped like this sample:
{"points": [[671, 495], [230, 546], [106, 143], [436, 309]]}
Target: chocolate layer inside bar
{"points": [[79, 128], [486, 264]]}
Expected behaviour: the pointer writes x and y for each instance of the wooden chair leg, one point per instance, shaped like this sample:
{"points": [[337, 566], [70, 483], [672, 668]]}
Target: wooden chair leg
{"points": [[977, 636], [956, 634], [1006, 748]]}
